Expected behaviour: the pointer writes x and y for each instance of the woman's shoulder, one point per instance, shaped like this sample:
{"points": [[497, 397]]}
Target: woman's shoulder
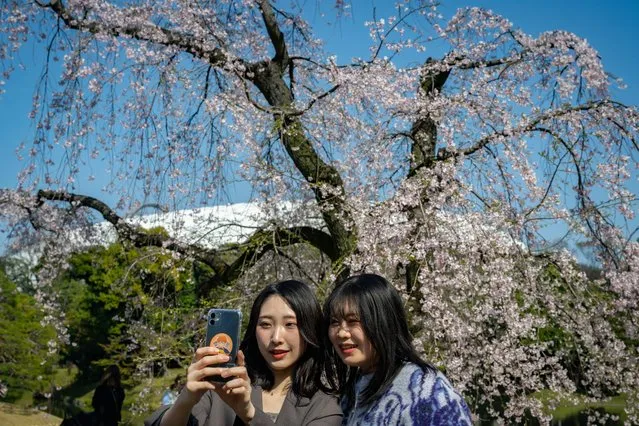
{"points": [[320, 406], [323, 398], [319, 398], [103, 390], [428, 380], [430, 391]]}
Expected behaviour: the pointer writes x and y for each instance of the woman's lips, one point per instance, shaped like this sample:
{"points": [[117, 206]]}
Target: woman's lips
{"points": [[279, 354], [347, 349]]}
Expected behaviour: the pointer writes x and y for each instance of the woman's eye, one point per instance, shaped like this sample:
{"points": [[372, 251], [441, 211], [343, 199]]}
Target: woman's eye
{"points": [[291, 324], [264, 324]]}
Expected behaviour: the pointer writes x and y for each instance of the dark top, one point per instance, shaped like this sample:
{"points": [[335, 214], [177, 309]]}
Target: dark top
{"points": [[321, 409], [107, 403]]}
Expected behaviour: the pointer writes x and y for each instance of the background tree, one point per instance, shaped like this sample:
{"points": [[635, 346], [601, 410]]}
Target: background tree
{"points": [[113, 296], [26, 359], [442, 174]]}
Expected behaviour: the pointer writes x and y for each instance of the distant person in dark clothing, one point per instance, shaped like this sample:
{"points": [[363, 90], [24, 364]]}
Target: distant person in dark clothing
{"points": [[108, 398]]}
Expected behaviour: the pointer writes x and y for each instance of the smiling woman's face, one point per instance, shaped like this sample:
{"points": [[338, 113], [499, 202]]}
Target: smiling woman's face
{"points": [[350, 341], [278, 336]]}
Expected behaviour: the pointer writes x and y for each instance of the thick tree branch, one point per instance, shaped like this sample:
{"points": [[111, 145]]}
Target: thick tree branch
{"points": [[424, 131], [324, 179], [263, 241], [249, 251], [423, 135], [277, 38], [466, 64], [146, 31], [137, 235]]}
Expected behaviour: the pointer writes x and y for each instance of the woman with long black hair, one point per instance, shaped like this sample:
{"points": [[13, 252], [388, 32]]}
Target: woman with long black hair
{"points": [[374, 366], [278, 379]]}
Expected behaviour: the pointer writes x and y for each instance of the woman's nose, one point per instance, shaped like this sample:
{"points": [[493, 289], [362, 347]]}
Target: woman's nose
{"points": [[343, 331], [276, 337]]}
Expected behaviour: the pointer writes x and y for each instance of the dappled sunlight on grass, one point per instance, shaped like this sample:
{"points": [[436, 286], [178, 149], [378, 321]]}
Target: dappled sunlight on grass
{"points": [[13, 415], [571, 407]]}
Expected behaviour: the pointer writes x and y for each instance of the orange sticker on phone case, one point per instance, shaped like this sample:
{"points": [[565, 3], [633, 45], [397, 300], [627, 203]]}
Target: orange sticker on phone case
{"points": [[222, 341]]}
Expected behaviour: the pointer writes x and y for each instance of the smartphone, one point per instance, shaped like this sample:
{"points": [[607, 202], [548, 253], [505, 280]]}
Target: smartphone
{"points": [[223, 332]]}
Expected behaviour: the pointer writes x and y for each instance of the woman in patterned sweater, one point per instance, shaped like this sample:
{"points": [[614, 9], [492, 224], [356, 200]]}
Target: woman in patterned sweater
{"points": [[381, 379]]}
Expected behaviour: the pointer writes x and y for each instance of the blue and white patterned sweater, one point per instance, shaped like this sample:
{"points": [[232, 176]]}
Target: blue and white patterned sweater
{"points": [[415, 397]]}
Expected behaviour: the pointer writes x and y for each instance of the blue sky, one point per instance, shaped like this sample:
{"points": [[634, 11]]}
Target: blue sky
{"points": [[611, 28]]}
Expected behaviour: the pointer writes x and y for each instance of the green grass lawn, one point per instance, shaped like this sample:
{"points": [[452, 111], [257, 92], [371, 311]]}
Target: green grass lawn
{"points": [[571, 407], [15, 415], [146, 397], [139, 401]]}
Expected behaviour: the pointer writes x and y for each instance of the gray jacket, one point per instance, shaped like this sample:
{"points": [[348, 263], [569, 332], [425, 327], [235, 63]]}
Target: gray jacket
{"points": [[321, 409]]}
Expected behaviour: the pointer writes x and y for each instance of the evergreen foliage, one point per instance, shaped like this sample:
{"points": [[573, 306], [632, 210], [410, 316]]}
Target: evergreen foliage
{"points": [[111, 295], [26, 365]]}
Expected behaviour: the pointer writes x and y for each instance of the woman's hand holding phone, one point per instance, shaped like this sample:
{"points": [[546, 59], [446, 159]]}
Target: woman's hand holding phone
{"points": [[197, 383], [236, 392], [202, 368]]}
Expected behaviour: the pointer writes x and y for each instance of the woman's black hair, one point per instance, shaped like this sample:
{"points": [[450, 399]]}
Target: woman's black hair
{"points": [[380, 311], [111, 377], [307, 372]]}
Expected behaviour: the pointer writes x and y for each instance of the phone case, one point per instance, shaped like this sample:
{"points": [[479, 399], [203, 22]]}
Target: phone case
{"points": [[223, 332]]}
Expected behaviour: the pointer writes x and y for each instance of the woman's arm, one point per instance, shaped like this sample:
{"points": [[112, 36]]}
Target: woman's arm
{"points": [[179, 413], [445, 403], [236, 393], [197, 385]]}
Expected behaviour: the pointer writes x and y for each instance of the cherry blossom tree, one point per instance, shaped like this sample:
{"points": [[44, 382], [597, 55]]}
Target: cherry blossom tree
{"points": [[446, 172]]}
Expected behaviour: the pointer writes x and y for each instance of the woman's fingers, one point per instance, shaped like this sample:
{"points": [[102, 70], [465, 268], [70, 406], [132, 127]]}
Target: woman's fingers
{"points": [[204, 366], [236, 391], [207, 351], [236, 383], [206, 360], [235, 371], [240, 359], [204, 373], [197, 385], [213, 359], [204, 351]]}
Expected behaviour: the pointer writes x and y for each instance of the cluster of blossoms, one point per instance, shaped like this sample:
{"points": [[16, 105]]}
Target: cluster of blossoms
{"points": [[505, 324]]}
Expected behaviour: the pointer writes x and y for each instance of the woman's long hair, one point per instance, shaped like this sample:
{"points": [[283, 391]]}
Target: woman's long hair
{"points": [[380, 310], [307, 372]]}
